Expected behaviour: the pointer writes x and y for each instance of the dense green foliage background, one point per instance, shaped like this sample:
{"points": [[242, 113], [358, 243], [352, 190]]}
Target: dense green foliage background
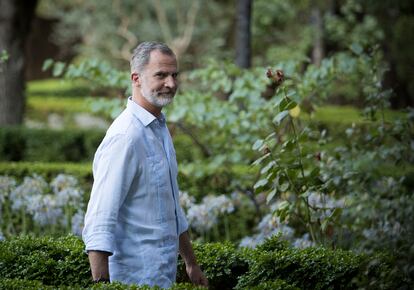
{"points": [[305, 150]]}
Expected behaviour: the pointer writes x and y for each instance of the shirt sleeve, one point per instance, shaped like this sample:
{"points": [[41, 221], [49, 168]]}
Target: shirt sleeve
{"points": [[182, 220], [115, 166]]}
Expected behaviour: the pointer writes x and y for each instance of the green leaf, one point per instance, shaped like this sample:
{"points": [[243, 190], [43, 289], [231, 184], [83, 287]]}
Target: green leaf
{"points": [[267, 167], [356, 48], [287, 104], [270, 195], [284, 186], [257, 144], [260, 160], [324, 224], [58, 69], [260, 183], [315, 172], [289, 144], [47, 64], [337, 212], [279, 117]]}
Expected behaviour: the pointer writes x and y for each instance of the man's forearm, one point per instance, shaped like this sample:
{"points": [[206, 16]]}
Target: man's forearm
{"points": [[186, 250], [99, 264], [193, 270]]}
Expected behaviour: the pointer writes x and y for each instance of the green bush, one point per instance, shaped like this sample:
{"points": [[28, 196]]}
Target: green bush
{"points": [[82, 171], [319, 268], [274, 285], [23, 144], [53, 262], [222, 264], [17, 284], [40, 263]]}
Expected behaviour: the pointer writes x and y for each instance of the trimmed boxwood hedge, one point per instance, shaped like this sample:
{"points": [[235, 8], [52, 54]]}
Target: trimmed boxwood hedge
{"points": [[68, 145], [45, 145], [60, 262]]}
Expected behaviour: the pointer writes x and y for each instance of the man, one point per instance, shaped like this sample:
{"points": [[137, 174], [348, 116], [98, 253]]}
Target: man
{"points": [[134, 225]]}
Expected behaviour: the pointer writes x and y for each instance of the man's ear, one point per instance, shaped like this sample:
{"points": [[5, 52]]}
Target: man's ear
{"points": [[135, 78]]}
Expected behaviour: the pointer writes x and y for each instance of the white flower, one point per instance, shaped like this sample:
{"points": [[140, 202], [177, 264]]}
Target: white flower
{"points": [[31, 186], [78, 222], [269, 225], [46, 211], [63, 181], [303, 242], [205, 215], [186, 200], [7, 184]]}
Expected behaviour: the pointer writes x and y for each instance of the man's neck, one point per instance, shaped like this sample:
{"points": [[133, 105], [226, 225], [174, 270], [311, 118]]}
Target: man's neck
{"points": [[140, 100]]}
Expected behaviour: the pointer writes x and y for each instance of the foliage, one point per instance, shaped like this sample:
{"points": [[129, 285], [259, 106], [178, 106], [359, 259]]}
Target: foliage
{"points": [[46, 105], [97, 73], [277, 284], [49, 170], [53, 262], [37, 207], [222, 264], [63, 89], [19, 143], [16, 284], [319, 268], [55, 205], [61, 262], [4, 56], [218, 217], [123, 24]]}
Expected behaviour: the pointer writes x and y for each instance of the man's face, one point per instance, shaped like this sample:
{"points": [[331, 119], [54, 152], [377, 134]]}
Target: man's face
{"points": [[158, 80]]}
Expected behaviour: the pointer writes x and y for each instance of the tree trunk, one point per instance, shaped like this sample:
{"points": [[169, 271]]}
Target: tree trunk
{"points": [[15, 19], [243, 35], [318, 51]]}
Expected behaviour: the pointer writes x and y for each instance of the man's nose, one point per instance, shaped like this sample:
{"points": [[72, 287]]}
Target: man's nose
{"points": [[170, 82]]}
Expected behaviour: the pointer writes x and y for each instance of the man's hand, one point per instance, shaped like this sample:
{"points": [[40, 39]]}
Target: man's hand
{"points": [[193, 270], [197, 276]]}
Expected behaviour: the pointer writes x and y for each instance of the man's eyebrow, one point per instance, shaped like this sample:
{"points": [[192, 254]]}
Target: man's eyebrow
{"points": [[166, 73]]}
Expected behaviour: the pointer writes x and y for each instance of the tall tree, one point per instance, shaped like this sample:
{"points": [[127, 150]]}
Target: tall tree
{"points": [[243, 34], [15, 19]]}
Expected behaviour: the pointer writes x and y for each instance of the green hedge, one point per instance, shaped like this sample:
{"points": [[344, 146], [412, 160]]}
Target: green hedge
{"points": [[61, 263], [44, 145], [69, 145]]}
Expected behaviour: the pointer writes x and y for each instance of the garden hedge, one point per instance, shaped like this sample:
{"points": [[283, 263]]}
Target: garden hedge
{"points": [[68, 145], [45, 145], [47, 263]]}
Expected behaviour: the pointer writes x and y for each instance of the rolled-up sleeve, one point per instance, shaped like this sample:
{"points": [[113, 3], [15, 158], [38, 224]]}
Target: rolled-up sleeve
{"points": [[182, 221], [115, 165]]}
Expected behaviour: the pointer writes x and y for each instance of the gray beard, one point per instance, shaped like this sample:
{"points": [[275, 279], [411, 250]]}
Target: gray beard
{"points": [[158, 100]]}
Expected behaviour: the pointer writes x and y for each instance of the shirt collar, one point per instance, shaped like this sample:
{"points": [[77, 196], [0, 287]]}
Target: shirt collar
{"points": [[143, 115]]}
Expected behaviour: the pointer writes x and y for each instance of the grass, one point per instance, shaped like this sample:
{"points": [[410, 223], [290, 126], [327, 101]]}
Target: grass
{"points": [[58, 105], [347, 115], [56, 87]]}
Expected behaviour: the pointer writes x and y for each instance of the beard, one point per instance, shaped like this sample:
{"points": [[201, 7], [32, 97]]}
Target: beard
{"points": [[158, 99]]}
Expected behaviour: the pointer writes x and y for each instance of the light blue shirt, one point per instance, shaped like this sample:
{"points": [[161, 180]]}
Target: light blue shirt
{"points": [[134, 211]]}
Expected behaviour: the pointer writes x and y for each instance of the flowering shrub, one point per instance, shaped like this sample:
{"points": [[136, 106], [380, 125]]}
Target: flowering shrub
{"points": [[34, 206]]}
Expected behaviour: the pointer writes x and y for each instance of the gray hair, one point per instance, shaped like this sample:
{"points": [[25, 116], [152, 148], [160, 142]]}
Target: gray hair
{"points": [[141, 54]]}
